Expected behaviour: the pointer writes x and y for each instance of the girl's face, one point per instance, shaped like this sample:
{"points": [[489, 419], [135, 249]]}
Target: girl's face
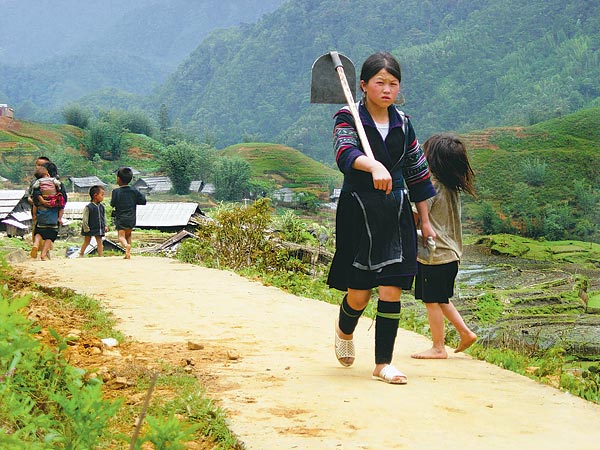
{"points": [[381, 90]]}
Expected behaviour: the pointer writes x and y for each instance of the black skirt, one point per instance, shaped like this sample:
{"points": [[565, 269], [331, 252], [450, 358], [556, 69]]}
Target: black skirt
{"points": [[350, 230]]}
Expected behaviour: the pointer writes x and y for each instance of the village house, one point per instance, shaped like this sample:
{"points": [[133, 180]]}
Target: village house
{"points": [[283, 195], [6, 111], [153, 185], [164, 216], [83, 184], [163, 185], [15, 212]]}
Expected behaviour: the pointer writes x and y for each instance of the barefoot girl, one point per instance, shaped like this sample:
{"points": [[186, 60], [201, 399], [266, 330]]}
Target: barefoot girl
{"points": [[451, 173]]}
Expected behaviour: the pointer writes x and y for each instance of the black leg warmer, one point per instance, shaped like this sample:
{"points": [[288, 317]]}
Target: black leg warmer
{"points": [[386, 330], [348, 317]]}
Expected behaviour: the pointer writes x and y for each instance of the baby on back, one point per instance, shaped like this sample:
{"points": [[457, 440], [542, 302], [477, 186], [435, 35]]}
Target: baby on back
{"points": [[46, 186]]}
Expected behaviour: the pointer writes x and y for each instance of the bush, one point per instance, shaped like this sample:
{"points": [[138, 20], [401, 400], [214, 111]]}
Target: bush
{"points": [[534, 171], [231, 177], [238, 239], [293, 229], [488, 219], [104, 139], [76, 115]]}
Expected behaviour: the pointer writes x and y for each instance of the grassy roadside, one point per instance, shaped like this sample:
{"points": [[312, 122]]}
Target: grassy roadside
{"points": [[61, 386]]}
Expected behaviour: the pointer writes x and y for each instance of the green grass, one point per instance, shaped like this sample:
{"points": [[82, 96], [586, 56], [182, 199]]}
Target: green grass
{"points": [[594, 299], [568, 146], [585, 254], [286, 166]]}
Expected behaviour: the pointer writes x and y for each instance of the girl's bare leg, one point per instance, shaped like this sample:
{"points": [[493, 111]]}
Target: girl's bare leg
{"points": [[37, 243], [435, 316], [467, 337], [45, 249]]}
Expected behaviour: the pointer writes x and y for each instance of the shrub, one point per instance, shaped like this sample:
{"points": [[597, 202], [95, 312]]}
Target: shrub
{"points": [[534, 171], [231, 177], [293, 228], [104, 139], [77, 116]]}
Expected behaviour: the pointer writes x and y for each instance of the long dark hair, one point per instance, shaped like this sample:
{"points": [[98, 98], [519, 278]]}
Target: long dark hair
{"points": [[377, 61], [52, 169], [448, 162]]}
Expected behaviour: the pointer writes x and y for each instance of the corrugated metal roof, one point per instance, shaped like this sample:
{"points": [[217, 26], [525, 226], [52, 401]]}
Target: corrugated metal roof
{"points": [[74, 210], [87, 181], [9, 199], [195, 186], [12, 194], [152, 214], [22, 216], [165, 214], [15, 224], [208, 189], [155, 184]]}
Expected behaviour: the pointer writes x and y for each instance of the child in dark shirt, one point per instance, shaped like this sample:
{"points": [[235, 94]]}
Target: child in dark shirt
{"points": [[124, 201]]}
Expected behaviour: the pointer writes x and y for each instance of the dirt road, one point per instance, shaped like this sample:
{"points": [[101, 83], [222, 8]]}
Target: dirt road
{"points": [[286, 389]]}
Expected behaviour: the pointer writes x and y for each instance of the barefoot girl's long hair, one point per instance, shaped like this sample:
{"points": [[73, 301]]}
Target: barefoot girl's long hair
{"points": [[448, 162]]}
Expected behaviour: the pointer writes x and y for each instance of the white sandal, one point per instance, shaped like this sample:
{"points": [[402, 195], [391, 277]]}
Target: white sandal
{"points": [[344, 348], [388, 375]]}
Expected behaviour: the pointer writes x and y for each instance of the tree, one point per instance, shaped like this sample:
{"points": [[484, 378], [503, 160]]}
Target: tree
{"points": [[138, 122], [104, 139], [183, 162], [534, 171], [488, 219], [164, 121], [231, 177], [135, 121], [77, 116]]}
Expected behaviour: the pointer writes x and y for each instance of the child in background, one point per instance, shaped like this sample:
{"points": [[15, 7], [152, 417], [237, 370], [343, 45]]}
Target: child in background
{"points": [[94, 221], [47, 187], [49, 197], [124, 200], [436, 274]]}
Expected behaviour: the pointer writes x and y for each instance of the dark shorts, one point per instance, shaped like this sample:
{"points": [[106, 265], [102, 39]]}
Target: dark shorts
{"points": [[435, 283], [124, 223], [47, 233]]}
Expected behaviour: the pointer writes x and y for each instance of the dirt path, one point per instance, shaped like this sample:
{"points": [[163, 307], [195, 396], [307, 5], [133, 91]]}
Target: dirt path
{"points": [[287, 391]]}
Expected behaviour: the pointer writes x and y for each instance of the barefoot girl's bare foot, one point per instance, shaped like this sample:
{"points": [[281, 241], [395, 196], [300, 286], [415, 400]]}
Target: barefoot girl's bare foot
{"points": [[432, 353], [465, 342], [128, 251]]}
